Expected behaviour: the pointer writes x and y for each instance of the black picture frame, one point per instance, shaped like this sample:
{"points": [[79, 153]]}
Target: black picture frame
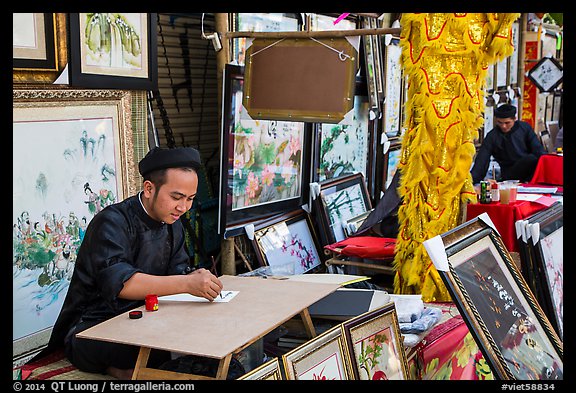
{"points": [[512, 331], [49, 61], [114, 77], [288, 239], [540, 241], [44, 63], [339, 200], [371, 71], [234, 215], [547, 74]]}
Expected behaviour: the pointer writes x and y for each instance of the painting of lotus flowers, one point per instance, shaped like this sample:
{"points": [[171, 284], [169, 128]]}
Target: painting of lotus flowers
{"points": [[265, 163]]}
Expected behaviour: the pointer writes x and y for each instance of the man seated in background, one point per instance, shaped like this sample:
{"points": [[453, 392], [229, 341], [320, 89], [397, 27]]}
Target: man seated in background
{"points": [[514, 146]]}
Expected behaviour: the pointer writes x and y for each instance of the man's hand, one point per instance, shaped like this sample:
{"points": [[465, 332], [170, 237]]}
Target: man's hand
{"points": [[204, 284]]}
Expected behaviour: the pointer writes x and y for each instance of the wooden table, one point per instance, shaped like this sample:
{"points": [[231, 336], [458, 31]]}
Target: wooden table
{"points": [[213, 330]]}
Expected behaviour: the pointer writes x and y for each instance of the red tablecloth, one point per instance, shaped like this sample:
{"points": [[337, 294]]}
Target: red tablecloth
{"points": [[504, 217], [550, 170]]}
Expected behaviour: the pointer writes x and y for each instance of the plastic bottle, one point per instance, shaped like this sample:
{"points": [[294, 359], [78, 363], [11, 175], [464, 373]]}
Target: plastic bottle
{"points": [[495, 192]]}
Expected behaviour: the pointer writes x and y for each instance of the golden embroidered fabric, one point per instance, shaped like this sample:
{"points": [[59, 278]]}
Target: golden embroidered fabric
{"points": [[446, 58]]}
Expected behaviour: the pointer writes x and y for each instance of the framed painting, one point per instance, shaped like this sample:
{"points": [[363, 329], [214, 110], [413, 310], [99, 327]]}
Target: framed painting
{"points": [[320, 22], [340, 199], [528, 263], [514, 57], [377, 48], [353, 224], [323, 358], [82, 160], [513, 333], [265, 166], [502, 68], [39, 52], [346, 147], [288, 243], [546, 74], [546, 240], [557, 106], [260, 22], [391, 162], [113, 50], [393, 89], [371, 71], [490, 81], [488, 122], [375, 345], [268, 371]]}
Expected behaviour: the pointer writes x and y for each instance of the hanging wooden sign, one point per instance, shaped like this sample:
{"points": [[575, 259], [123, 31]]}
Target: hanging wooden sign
{"points": [[300, 79]]}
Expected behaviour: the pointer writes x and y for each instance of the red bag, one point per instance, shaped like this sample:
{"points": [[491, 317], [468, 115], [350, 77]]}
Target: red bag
{"points": [[365, 247]]}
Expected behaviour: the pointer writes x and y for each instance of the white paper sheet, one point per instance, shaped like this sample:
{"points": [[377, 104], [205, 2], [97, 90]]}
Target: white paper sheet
{"points": [[537, 190], [226, 296]]}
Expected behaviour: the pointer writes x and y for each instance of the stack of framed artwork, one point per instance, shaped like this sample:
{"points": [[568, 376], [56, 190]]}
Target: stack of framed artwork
{"points": [[506, 320], [541, 247], [366, 347]]}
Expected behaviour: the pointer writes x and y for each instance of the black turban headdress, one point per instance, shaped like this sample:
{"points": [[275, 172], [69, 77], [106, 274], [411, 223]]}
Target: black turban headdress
{"points": [[505, 111], [161, 158]]}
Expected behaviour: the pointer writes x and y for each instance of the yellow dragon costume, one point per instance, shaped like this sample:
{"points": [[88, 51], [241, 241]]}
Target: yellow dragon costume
{"points": [[446, 57]]}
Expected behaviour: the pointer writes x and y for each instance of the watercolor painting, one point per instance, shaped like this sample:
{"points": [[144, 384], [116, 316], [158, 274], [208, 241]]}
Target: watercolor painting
{"points": [[344, 146], [289, 242], [114, 42], [267, 159], [76, 167]]}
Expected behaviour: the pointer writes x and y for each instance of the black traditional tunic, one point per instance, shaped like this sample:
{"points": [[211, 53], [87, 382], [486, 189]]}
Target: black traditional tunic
{"points": [[120, 240], [507, 149]]}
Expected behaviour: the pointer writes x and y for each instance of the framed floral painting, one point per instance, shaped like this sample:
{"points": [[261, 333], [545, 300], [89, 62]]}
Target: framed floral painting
{"points": [[511, 329], [340, 200], [110, 50], [268, 371], [323, 358], [265, 166], [81, 160], [375, 345], [288, 242]]}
